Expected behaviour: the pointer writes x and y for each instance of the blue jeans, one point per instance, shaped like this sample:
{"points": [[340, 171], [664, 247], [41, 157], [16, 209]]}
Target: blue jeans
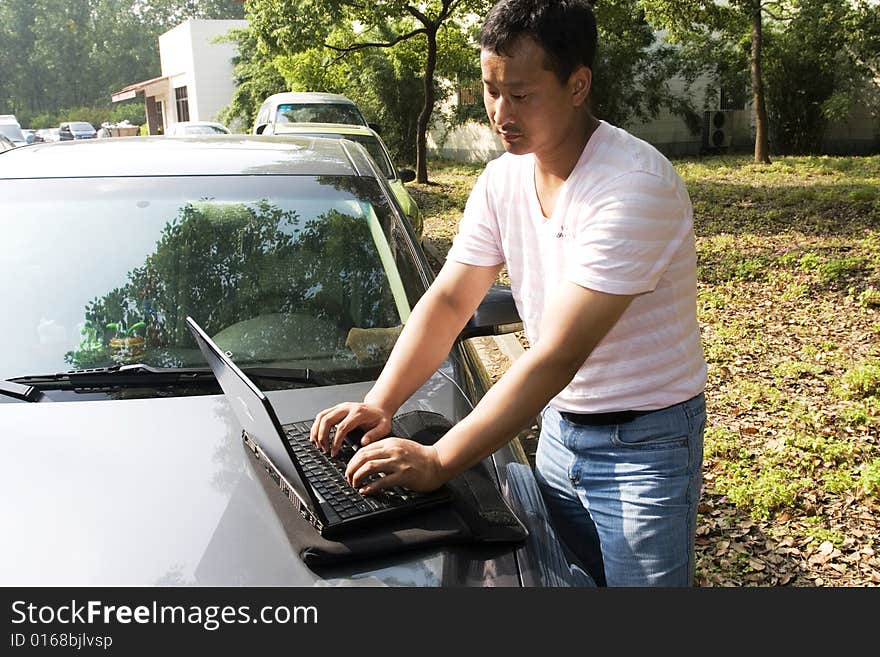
{"points": [[623, 498]]}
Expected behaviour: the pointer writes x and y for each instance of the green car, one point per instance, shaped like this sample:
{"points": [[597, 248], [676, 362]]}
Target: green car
{"points": [[370, 140]]}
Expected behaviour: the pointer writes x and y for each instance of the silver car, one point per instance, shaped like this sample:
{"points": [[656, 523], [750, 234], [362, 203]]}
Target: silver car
{"points": [[123, 464]]}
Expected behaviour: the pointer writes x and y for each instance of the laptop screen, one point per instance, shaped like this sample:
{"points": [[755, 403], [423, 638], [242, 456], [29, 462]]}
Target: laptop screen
{"points": [[253, 411]]}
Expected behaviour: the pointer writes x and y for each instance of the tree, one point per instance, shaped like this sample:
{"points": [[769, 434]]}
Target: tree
{"points": [[287, 27], [812, 77], [59, 54], [632, 71], [704, 23]]}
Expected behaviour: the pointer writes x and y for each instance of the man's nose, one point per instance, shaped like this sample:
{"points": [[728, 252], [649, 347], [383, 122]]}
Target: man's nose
{"points": [[500, 111]]}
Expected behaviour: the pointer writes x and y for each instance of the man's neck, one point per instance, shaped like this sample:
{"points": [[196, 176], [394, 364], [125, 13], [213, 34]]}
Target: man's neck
{"points": [[560, 162]]}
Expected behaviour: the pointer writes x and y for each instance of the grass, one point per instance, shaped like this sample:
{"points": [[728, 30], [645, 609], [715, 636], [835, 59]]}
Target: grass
{"points": [[789, 308]]}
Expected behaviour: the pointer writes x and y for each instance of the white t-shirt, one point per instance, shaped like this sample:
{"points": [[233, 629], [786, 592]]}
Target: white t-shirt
{"points": [[622, 224]]}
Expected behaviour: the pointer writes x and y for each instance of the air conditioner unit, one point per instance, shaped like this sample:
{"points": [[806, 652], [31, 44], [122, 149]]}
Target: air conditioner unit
{"points": [[717, 128]]}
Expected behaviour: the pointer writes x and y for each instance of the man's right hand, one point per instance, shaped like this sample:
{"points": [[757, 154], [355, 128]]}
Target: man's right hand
{"points": [[373, 420]]}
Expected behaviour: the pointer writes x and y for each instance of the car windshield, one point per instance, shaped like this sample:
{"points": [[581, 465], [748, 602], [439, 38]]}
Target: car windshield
{"points": [[82, 126], [292, 271], [11, 131], [319, 113]]}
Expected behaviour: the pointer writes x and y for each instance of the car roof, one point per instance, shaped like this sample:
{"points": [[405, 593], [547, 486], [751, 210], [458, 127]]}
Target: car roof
{"points": [[188, 156], [308, 97]]}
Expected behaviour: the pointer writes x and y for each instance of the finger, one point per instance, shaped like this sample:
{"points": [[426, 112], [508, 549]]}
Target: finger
{"points": [[381, 483], [383, 466], [349, 422], [376, 433], [315, 431], [330, 419], [360, 457]]}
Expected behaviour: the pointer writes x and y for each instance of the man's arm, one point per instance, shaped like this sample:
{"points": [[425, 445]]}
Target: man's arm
{"points": [[425, 341], [575, 321]]}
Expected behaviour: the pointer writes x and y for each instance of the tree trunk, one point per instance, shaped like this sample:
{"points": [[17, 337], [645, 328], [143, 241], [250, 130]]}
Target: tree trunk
{"points": [[762, 149], [427, 108]]}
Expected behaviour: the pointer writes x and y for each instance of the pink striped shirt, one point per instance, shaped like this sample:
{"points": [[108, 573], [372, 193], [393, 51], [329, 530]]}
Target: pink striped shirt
{"points": [[622, 224]]}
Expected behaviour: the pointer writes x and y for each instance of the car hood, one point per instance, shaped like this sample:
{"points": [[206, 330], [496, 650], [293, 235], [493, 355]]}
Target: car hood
{"points": [[161, 492]]}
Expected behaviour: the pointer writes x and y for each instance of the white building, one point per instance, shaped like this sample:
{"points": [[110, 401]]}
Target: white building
{"points": [[196, 80]]}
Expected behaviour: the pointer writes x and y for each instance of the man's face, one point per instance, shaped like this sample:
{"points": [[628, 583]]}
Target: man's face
{"points": [[531, 110]]}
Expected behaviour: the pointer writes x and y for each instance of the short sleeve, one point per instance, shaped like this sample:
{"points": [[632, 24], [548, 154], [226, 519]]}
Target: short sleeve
{"points": [[478, 241], [628, 233]]}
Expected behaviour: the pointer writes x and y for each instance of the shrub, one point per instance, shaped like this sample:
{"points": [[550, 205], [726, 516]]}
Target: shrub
{"points": [[861, 381]]}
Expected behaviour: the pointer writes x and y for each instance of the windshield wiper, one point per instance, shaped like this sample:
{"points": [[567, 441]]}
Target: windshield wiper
{"points": [[139, 374], [20, 391]]}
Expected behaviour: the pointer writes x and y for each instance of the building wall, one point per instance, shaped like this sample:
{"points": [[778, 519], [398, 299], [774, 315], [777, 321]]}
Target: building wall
{"points": [[190, 59], [859, 135], [212, 68], [176, 57], [471, 142]]}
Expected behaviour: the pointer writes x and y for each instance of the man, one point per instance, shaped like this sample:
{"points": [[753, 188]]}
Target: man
{"points": [[595, 227]]}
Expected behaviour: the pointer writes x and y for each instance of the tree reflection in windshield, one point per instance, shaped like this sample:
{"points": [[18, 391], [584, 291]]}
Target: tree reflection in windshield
{"points": [[266, 284]]}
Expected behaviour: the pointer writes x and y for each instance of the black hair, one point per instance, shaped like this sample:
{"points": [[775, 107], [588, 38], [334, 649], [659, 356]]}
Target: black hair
{"points": [[565, 29]]}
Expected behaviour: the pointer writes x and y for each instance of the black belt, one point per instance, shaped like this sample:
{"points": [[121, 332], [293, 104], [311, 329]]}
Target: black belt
{"points": [[603, 419]]}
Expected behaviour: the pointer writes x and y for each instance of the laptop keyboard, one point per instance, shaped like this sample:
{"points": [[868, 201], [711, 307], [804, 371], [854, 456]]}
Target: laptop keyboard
{"points": [[327, 476]]}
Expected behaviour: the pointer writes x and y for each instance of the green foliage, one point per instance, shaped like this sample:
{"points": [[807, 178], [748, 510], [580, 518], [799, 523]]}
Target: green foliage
{"points": [[41, 121], [255, 77], [838, 481], [861, 412], [813, 73], [861, 381], [838, 271], [340, 28], [58, 54], [632, 70], [868, 298], [870, 478], [94, 115], [818, 58], [817, 533], [387, 83], [720, 443], [133, 111], [761, 490]]}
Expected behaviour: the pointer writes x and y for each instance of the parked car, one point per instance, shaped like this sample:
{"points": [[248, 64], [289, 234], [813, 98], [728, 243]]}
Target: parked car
{"points": [[47, 135], [189, 128], [291, 253], [309, 107], [74, 130], [11, 129], [377, 149], [6, 144]]}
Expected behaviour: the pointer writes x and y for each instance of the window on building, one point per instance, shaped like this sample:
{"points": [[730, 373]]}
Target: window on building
{"points": [[160, 118], [733, 98], [471, 93], [470, 101], [182, 101]]}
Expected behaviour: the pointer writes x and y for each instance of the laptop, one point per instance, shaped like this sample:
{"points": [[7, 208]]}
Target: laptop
{"points": [[313, 481]]}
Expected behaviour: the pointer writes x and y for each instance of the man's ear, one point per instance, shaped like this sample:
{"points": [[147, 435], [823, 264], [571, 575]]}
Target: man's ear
{"points": [[579, 83]]}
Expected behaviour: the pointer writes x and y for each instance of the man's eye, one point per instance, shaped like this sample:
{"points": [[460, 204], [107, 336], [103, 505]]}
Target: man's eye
{"points": [[519, 96]]}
